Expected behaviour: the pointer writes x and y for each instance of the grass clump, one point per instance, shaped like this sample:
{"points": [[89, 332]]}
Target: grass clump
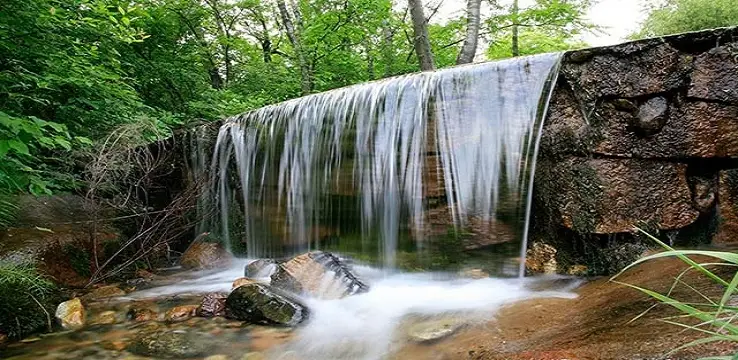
{"points": [[715, 317], [27, 299]]}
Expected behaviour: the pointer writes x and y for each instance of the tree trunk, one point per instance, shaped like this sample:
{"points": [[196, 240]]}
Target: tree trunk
{"points": [[420, 34], [515, 29], [469, 49], [294, 38]]}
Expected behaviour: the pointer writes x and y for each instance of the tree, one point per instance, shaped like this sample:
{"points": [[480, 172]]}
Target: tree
{"points": [[421, 40], [469, 48], [559, 20], [677, 16]]}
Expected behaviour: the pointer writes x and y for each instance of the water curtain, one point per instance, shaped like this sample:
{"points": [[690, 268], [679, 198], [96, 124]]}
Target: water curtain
{"points": [[401, 164]]}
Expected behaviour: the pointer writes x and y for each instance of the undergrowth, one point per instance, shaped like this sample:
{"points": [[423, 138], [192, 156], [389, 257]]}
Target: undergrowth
{"points": [[716, 318], [27, 299]]}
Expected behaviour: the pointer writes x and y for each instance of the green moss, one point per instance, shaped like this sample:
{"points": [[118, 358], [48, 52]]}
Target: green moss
{"points": [[28, 300]]}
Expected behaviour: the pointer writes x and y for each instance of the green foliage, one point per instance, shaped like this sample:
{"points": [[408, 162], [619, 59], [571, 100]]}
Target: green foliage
{"points": [[79, 259], [545, 26], [678, 16], [28, 300], [715, 317]]}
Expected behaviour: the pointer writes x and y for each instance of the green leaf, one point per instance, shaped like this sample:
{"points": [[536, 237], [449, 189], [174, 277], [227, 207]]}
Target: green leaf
{"points": [[18, 146], [83, 140], [4, 147]]}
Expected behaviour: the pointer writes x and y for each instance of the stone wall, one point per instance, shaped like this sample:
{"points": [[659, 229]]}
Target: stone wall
{"points": [[643, 134]]}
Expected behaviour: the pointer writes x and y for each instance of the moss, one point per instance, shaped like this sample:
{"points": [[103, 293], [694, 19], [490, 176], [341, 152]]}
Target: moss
{"points": [[28, 300]]}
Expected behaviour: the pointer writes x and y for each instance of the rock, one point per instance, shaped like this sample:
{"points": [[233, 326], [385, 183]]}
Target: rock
{"points": [[242, 281], [715, 75], [703, 193], [138, 314], [71, 314], [104, 292], [3, 339], [607, 196], [170, 345], [727, 231], [181, 313], [652, 116], [261, 304], [254, 355], [319, 274], [212, 305], [541, 259], [217, 357], [577, 270], [115, 345], [204, 255], [474, 274], [105, 318], [433, 330], [260, 268]]}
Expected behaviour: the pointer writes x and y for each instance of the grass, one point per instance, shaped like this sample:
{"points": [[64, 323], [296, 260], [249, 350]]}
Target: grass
{"points": [[27, 299], [715, 318]]}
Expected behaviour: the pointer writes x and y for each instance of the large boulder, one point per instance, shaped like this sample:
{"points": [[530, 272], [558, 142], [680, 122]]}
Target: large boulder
{"points": [[205, 255], [317, 273], [260, 268], [261, 304]]}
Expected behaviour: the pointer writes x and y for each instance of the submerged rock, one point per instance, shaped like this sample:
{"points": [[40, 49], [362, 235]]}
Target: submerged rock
{"points": [[205, 255], [475, 274], [141, 314], [260, 304], [433, 330], [71, 314], [104, 292], [170, 345], [212, 305], [319, 274], [260, 268], [105, 318], [181, 313]]}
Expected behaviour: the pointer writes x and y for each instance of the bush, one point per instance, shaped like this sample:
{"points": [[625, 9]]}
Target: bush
{"points": [[716, 318], [27, 300]]}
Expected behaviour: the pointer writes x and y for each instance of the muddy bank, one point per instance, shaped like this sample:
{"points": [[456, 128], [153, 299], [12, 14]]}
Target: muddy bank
{"points": [[596, 325]]}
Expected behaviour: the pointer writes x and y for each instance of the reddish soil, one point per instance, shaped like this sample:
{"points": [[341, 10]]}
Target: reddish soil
{"points": [[596, 325]]}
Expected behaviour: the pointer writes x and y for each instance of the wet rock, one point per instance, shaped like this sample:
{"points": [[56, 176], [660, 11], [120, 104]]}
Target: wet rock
{"points": [[115, 345], [260, 268], [104, 292], [181, 313], [727, 232], [474, 274], [433, 330], [242, 281], [141, 314], [3, 339], [212, 305], [254, 355], [71, 314], [205, 255], [261, 304], [617, 256], [606, 196], [541, 259], [652, 116], [577, 270], [319, 274], [715, 75], [105, 318], [171, 345], [217, 357], [703, 193]]}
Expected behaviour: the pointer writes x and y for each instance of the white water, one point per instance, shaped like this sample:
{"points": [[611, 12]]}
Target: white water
{"points": [[369, 326], [468, 133]]}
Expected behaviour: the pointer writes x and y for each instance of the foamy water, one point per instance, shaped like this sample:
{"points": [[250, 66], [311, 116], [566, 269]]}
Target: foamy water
{"points": [[369, 326]]}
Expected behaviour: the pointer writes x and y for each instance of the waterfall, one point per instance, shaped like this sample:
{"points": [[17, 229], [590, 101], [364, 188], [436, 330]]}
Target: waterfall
{"points": [[428, 163]]}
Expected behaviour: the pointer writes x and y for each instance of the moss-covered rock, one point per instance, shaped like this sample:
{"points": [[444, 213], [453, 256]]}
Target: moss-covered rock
{"points": [[261, 304]]}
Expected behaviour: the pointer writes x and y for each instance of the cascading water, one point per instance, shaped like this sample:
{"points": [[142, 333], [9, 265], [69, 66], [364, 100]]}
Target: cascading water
{"points": [[406, 163]]}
